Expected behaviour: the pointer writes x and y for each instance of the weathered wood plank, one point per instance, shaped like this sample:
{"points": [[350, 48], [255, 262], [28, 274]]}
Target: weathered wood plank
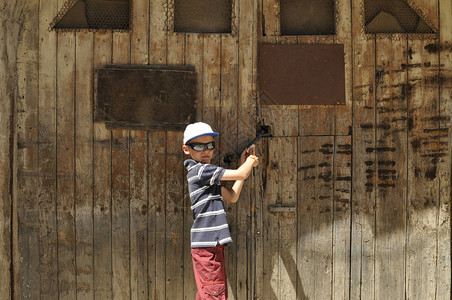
{"points": [[287, 195], [391, 154], [342, 178], [102, 186], [138, 214], [443, 273], [139, 54], [211, 83], [423, 182], [174, 215], [47, 153], [270, 222], [364, 163], [259, 210], [84, 164], [120, 189], [157, 224], [315, 217], [157, 143], [343, 113], [235, 252], [194, 57], [174, 188], [26, 253], [157, 33], [194, 45], [247, 12], [270, 20], [65, 131]]}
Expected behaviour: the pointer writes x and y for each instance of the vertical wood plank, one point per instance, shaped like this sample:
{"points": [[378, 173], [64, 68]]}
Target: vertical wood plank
{"points": [[343, 113], [64, 160], [102, 186], [65, 164], [26, 256], [364, 161], [341, 216], [157, 144], [156, 217], [84, 164], [174, 214], [194, 57], [139, 53], [270, 19], [391, 154], [315, 217], [235, 252], [157, 33], [423, 182], [443, 275], [120, 189], [259, 220], [288, 194], [270, 229], [211, 83], [47, 153], [174, 188], [247, 12], [138, 215]]}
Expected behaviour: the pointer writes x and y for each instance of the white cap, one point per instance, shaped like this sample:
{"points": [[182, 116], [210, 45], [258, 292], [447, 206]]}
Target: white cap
{"points": [[198, 129]]}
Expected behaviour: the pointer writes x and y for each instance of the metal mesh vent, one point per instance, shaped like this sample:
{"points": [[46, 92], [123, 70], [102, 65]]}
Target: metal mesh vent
{"points": [[307, 17], [94, 14], [393, 16], [207, 16]]}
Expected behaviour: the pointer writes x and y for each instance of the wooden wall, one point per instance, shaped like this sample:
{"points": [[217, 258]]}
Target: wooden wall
{"points": [[106, 214]]}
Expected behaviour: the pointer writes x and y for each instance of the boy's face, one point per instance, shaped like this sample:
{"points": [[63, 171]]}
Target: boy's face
{"points": [[204, 156]]}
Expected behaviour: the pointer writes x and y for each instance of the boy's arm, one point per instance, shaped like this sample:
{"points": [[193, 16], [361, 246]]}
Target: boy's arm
{"points": [[232, 195], [243, 171], [247, 163]]}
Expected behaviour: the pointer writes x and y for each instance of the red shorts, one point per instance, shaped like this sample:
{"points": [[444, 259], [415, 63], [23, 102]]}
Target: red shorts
{"points": [[210, 273]]}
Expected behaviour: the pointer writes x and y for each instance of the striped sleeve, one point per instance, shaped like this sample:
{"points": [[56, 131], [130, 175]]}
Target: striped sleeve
{"points": [[210, 174]]}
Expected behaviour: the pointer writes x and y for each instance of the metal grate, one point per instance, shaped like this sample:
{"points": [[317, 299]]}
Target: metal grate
{"points": [[207, 16], [94, 14], [307, 17], [393, 16]]}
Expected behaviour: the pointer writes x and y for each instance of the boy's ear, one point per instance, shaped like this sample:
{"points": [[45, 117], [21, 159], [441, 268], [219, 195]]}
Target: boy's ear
{"points": [[186, 149]]}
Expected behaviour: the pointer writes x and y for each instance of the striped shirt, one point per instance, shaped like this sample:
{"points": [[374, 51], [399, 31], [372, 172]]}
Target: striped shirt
{"points": [[210, 227]]}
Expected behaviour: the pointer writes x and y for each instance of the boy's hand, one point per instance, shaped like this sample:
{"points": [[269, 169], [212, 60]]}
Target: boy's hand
{"points": [[255, 159], [247, 152]]}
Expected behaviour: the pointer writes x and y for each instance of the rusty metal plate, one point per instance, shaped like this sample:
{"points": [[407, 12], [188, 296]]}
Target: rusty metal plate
{"points": [[208, 16], [145, 97], [301, 74]]}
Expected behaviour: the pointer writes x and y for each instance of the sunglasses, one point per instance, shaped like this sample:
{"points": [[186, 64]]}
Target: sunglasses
{"points": [[201, 146]]}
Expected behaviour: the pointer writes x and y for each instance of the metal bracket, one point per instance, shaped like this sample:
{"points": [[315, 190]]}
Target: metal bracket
{"points": [[281, 208]]}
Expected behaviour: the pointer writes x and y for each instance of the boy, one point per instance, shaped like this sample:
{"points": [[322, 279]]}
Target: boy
{"points": [[210, 231]]}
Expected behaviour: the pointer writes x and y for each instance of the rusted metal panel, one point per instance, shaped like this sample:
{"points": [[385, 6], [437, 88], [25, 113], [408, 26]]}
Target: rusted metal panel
{"points": [[208, 16], [153, 97], [307, 17], [301, 74]]}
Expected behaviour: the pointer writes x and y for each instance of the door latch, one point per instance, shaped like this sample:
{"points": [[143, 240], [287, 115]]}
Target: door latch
{"points": [[281, 208]]}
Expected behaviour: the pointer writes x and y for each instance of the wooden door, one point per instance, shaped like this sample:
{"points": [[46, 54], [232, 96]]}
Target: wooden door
{"points": [[303, 218]]}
